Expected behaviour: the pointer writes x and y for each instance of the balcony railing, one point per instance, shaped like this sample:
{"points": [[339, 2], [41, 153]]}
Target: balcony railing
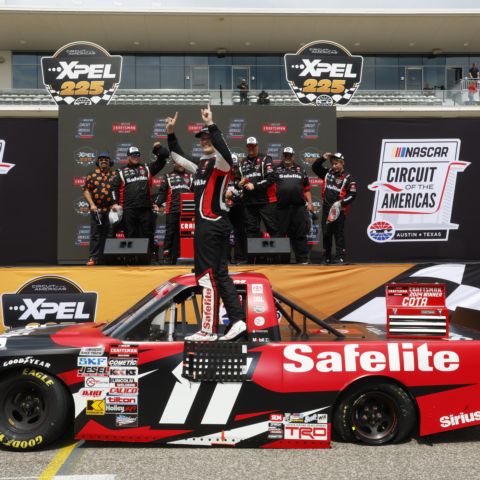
{"points": [[363, 98]]}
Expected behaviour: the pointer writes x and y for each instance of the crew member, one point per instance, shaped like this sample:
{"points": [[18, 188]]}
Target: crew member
{"points": [[212, 227], [98, 193], [339, 191], [133, 192], [243, 89], [173, 185], [259, 192], [293, 190], [234, 200]]}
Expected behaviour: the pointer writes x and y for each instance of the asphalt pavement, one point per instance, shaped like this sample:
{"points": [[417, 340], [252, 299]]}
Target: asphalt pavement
{"points": [[443, 456]]}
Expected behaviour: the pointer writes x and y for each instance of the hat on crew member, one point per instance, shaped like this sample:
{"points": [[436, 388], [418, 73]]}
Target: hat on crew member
{"points": [[202, 131], [133, 151], [289, 150], [338, 156], [252, 141], [103, 155]]}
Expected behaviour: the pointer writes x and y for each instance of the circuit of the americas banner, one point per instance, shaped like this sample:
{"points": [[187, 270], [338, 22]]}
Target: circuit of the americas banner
{"points": [[28, 191], [417, 182], [82, 73], [85, 131], [415, 190]]}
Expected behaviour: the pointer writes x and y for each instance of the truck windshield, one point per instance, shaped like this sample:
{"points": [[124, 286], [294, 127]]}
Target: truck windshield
{"points": [[139, 309]]}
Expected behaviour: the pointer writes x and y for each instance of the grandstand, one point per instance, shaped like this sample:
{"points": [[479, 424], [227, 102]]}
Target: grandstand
{"points": [[414, 55]]}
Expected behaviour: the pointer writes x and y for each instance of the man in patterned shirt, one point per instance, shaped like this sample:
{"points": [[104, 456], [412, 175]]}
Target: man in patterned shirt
{"points": [[98, 193]]}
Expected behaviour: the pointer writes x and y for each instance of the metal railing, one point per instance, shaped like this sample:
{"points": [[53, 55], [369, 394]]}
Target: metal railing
{"points": [[460, 97]]}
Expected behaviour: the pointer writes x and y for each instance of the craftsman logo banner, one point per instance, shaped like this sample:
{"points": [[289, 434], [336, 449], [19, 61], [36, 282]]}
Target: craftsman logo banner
{"points": [[82, 73], [323, 73], [415, 190]]}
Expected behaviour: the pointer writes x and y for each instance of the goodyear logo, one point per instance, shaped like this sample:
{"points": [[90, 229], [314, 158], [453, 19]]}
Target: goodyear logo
{"points": [[323, 73]]}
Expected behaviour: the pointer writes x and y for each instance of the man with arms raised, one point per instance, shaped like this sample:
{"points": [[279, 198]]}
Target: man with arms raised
{"points": [[212, 228]]}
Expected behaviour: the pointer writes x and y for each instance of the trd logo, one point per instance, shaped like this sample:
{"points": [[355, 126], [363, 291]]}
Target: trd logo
{"points": [[73, 70], [38, 309], [305, 433]]}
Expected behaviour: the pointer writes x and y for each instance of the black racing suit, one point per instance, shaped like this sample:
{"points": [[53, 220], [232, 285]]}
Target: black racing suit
{"points": [[336, 187], [133, 192], [259, 202], [212, 228], [293, 221], [173, 184], [237, 217]]}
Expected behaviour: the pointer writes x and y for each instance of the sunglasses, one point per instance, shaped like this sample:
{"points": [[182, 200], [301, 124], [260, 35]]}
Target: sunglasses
{"points": [[135, 154]]}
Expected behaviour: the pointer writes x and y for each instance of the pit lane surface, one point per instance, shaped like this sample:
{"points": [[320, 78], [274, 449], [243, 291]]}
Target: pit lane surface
{"points": [[447, 455]]}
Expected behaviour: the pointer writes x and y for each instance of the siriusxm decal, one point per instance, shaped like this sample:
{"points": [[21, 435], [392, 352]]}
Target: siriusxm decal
{"points": [[415, 190], [323, 73]]}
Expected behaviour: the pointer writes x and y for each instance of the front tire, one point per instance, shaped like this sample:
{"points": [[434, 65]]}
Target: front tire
{"points": [[34, 409], [375, 414]]}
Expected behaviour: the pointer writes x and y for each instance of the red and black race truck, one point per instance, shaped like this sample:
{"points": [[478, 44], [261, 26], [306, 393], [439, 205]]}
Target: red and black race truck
{"points": [[292, 382]]}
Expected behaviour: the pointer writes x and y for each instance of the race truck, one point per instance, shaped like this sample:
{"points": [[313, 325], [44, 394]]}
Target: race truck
{"points": [[292, 382]]}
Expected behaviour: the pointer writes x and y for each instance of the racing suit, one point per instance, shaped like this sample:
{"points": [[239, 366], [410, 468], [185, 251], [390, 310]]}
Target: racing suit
{"points": [[212, 228], [292, 184], [173, 184], [259, 202], [340, 187], [237, 217], [133, 192]]}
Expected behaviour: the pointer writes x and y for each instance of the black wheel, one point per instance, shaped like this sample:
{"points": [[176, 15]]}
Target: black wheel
{"points": [[375, 414], [34, 409]]}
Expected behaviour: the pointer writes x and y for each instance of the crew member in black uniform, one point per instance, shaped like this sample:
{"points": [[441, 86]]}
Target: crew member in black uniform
{"points": [[173, 184], [293, 190], [339, 191], [234, 200], [98, 193], [133, 192], [259, 192], [212, 227]]}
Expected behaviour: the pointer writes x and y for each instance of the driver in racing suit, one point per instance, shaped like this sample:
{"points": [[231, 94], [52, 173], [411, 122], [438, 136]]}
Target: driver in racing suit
{"points": [[212, 228]]}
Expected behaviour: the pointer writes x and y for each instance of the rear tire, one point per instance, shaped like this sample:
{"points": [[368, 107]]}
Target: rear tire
{"points": [[34, 409], [375, 414]]}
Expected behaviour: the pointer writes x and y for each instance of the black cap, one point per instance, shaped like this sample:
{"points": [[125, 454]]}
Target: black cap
{"points": [[103, 155], [202, 131]]}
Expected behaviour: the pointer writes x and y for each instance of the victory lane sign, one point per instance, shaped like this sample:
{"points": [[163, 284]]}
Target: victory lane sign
{"points": [[82, 73], [323, 73]]}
